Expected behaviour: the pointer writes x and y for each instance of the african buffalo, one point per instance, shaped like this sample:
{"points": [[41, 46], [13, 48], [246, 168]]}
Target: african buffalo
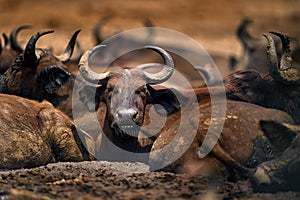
{"points": [[38, 74], [279, 89], [34, 134], [239, 149], [128, 93]]}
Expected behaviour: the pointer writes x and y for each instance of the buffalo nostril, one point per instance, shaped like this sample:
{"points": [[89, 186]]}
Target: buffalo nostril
{"points": [[134, 116], [119, 115]]}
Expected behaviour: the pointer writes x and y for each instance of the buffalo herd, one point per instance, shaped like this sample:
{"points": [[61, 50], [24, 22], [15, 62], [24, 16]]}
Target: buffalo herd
{"points": [[259, 135]]}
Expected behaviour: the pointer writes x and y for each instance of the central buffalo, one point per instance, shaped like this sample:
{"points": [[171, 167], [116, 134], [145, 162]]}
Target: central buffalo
{"points": [[128, 95]]}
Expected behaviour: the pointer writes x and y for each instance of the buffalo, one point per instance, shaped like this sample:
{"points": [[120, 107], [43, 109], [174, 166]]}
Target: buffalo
{"points": [[240, 148], [279, 89], [40, 75], [35, 133], [127, 95]]}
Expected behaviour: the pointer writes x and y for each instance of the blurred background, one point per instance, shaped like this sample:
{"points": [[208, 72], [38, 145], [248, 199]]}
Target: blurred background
{"points": [[212, 24]]}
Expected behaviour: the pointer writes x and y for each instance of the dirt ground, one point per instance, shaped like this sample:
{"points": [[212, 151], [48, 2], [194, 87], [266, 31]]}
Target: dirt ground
{"points": [[103, 180], [211, 23]]}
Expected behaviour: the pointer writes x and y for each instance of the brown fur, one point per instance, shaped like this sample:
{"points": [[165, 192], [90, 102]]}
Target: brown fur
{"points": [[235, 145], [34, 134], [250, 87]]}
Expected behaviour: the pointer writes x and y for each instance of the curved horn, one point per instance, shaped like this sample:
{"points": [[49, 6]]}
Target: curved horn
{"points": [[66, 55], [6, 40], [78, 54], [284, 72], [13, 37], [243, 33], [97, 30], [289, 73], [285, 61], [272, 57], [167, 70], [85, 70], [29, 53]]}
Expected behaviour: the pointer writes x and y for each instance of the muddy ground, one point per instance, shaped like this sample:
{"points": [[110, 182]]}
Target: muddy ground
{"points": [[211, 23], [104, 180]]}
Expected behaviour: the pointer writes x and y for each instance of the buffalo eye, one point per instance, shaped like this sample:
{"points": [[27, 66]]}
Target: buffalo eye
{"points": [[141, 91], [109, 90]]}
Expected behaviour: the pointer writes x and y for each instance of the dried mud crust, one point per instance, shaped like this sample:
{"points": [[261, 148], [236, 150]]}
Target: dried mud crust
{"points": [[104, 180]]}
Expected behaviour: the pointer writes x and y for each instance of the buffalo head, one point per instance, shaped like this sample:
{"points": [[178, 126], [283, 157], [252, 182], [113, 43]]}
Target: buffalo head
{"points": [[126, 91], [129, 95], [37, 73]]}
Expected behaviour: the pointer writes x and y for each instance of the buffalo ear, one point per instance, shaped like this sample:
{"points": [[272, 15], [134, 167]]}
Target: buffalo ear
{"points": [[53, 77], [280, 135], [168, 98]]}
